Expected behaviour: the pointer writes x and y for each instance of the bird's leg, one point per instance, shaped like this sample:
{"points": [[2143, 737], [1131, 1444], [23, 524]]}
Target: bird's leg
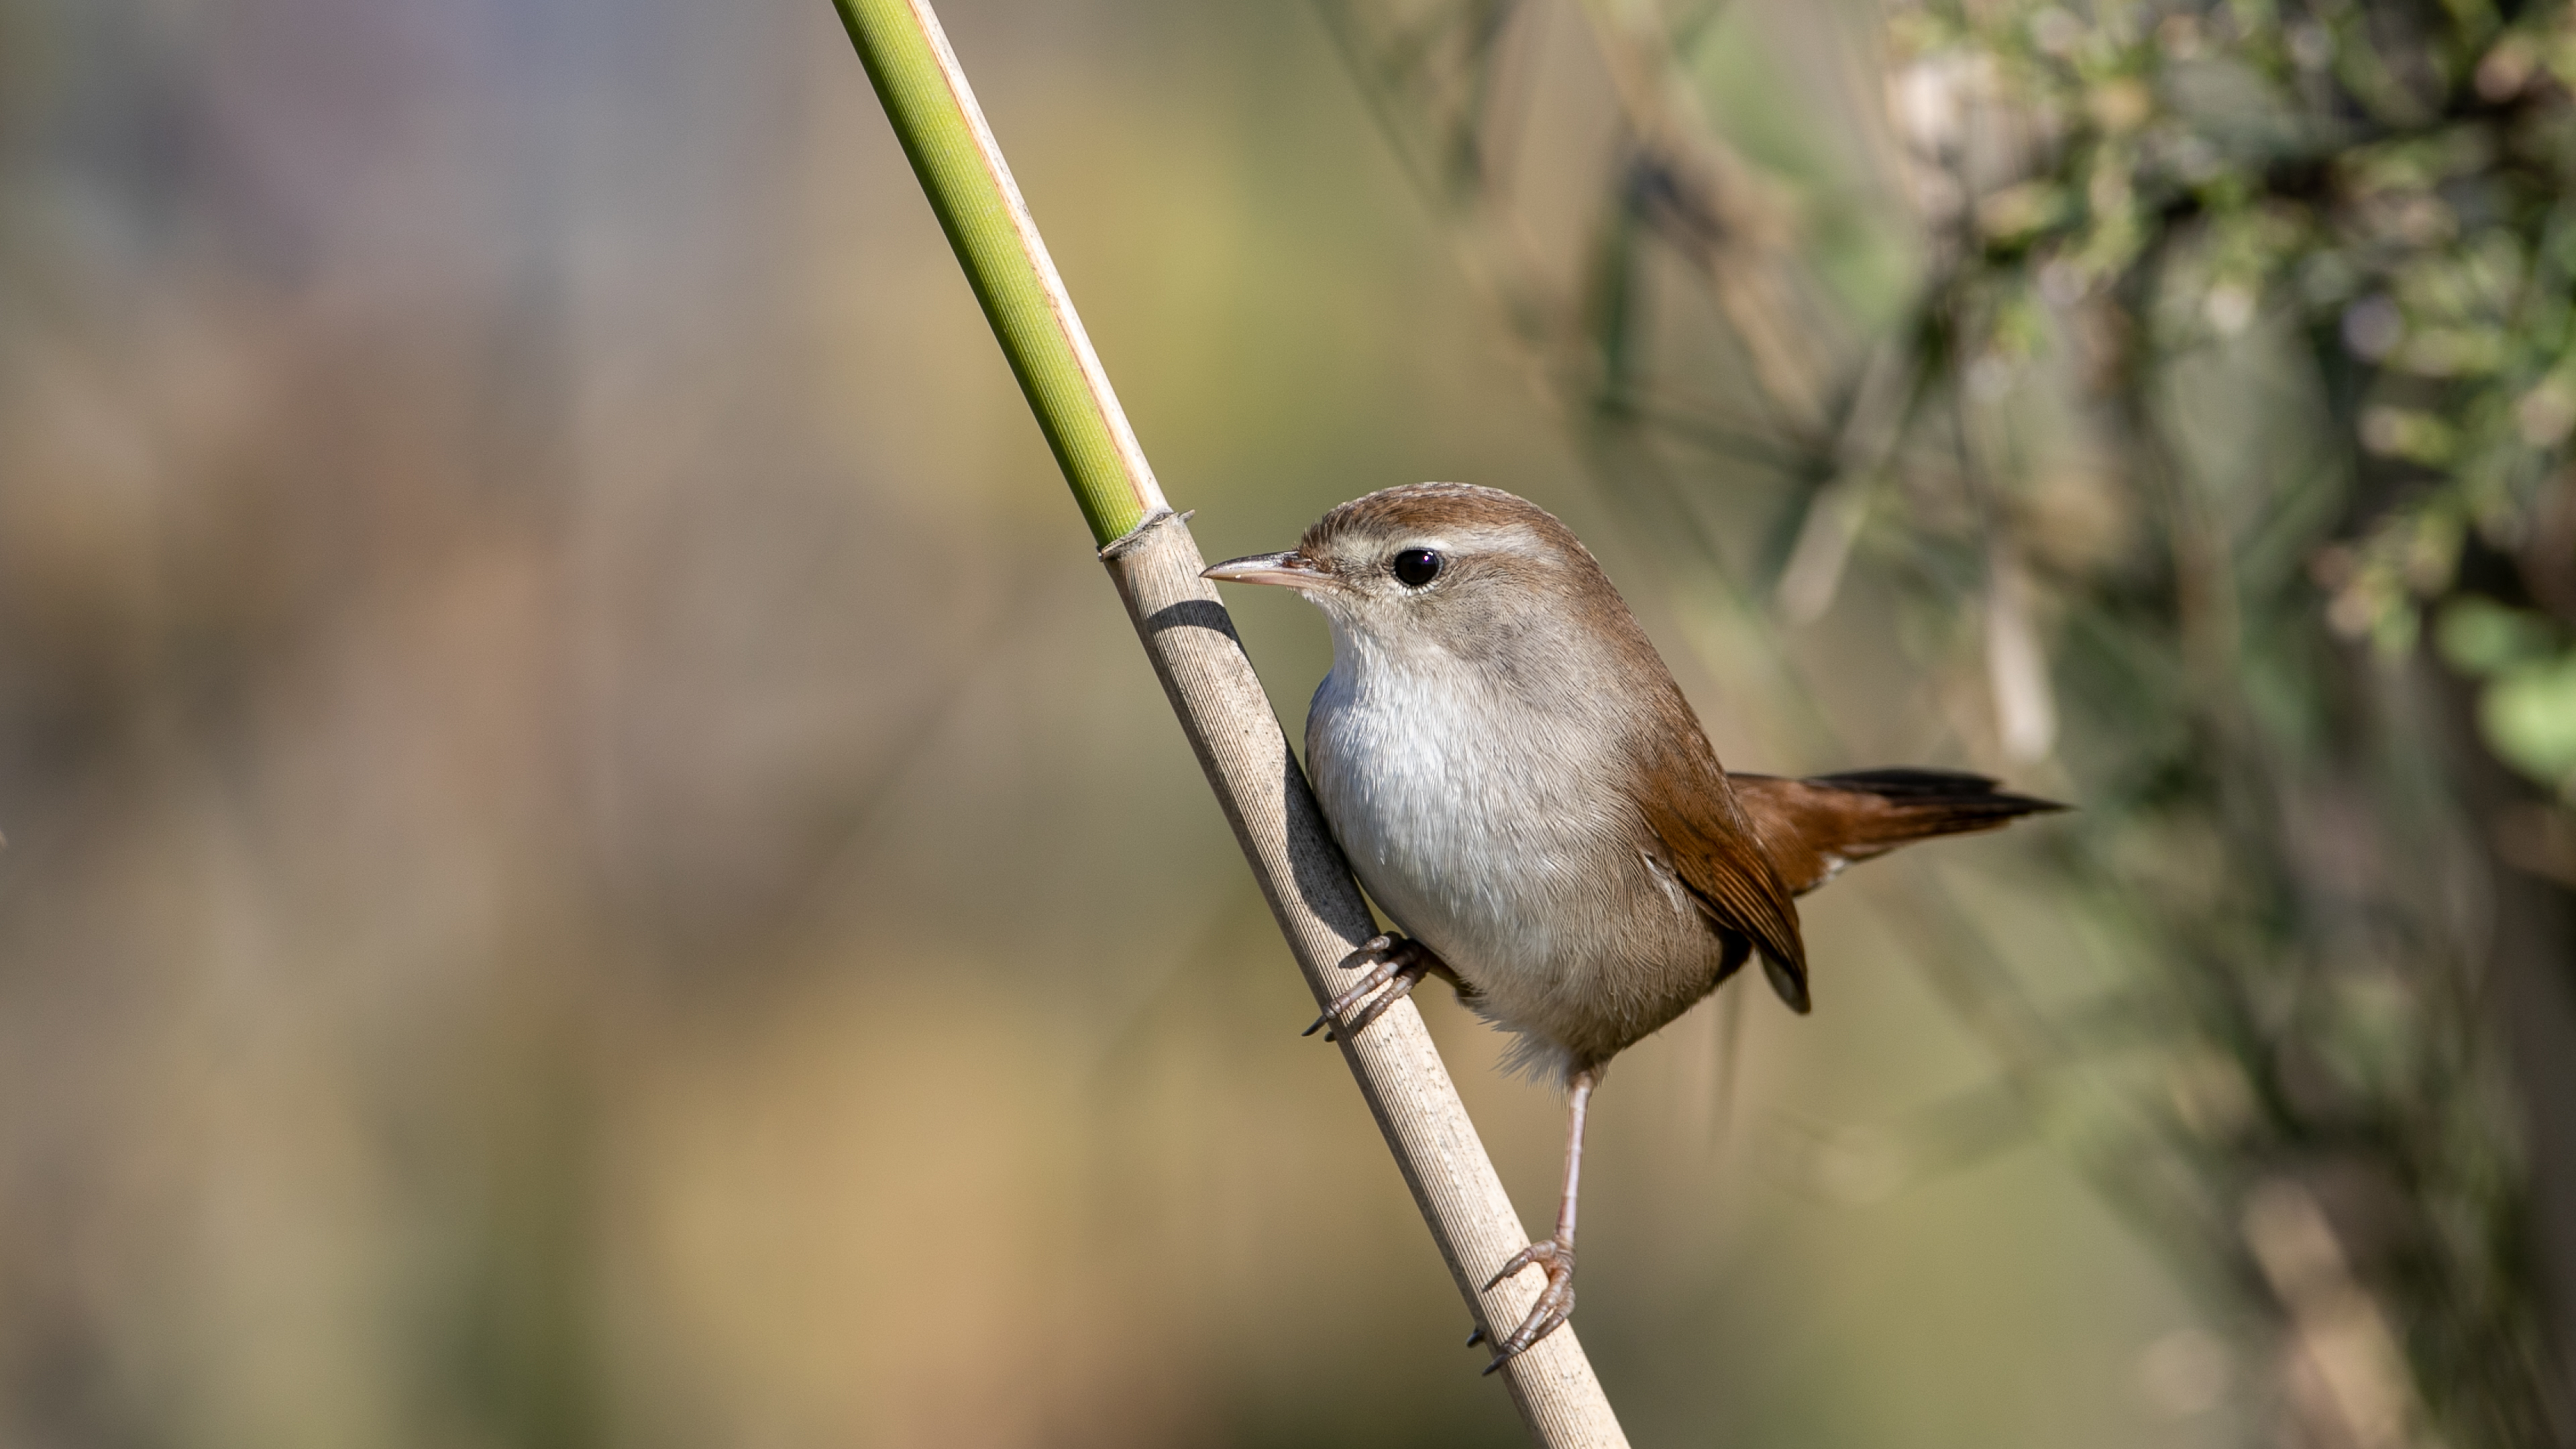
{"points": [[1556, 1255], [1395, 959]]}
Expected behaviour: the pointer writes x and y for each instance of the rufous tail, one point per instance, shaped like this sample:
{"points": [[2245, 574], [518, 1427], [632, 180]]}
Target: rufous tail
{"points": [[1816, 826]]}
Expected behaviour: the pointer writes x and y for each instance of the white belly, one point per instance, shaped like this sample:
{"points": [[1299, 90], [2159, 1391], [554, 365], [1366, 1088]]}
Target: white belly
{"points": [[1510, 851]]}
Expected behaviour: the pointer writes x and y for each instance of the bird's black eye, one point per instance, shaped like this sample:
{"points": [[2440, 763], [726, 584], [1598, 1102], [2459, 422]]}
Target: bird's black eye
{"points": [[1416, 566]]}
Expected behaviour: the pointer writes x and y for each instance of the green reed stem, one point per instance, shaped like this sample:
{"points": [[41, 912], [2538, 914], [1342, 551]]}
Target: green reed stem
{"points": [[979, 206]]}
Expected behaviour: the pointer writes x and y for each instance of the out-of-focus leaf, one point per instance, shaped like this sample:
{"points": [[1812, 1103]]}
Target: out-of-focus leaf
{"points": [[2480, 636], [2529, 718]]}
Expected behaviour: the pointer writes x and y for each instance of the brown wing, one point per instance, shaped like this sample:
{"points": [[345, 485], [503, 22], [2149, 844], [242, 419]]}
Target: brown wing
{"points": [[1813, 828], [1713, 850]]}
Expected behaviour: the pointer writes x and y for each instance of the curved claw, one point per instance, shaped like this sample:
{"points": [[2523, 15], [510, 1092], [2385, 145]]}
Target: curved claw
{"points": [[1555, 1302], [1397, 960]]}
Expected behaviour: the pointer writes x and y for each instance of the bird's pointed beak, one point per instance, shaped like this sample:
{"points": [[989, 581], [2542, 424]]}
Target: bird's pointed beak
{"points": [[1292, 569]]}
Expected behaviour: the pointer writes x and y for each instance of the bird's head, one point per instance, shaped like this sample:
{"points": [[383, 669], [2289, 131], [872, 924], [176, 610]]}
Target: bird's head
{"points": [[1447, 565]]}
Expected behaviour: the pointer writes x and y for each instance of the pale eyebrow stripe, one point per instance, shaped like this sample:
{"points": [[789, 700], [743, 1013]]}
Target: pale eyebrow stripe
{"points": [[1514, 541]]}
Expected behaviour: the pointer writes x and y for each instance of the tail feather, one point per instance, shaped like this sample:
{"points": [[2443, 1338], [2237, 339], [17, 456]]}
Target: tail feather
{"points": [[1816, 826]]}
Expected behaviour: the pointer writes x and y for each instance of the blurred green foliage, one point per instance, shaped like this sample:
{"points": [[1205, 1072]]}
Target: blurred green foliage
{"points": [[2398, 182], [2527, 710]]}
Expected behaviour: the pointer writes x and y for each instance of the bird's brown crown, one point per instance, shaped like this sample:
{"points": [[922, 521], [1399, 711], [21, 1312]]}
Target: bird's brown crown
{"points": [[1432, 507]]}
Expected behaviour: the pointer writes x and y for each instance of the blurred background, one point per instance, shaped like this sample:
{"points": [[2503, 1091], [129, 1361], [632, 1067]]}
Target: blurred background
{"points": [[590, 860]]}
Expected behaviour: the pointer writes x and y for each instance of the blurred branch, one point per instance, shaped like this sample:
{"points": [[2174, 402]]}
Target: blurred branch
{"points": [[1715, 210], [1212, 687]]}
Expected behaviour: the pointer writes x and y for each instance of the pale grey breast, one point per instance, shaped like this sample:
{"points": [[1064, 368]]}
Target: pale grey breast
{"points": [[1528, 881]]}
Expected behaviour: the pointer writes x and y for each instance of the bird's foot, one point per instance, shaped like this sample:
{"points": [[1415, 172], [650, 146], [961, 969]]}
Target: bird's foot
{"points": [[1395, 962], [1555, 1301]]}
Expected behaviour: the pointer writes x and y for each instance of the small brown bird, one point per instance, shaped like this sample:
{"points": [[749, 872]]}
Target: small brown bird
{"points": [[1521, 786]]}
